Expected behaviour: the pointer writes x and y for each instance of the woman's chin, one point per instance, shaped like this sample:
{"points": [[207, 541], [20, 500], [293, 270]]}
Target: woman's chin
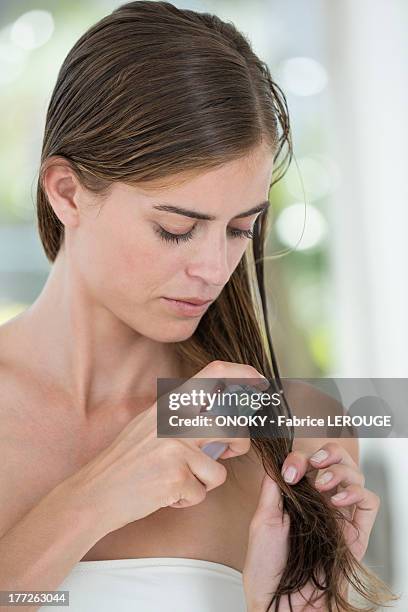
{"points": [[178, 335], [173, 331]]}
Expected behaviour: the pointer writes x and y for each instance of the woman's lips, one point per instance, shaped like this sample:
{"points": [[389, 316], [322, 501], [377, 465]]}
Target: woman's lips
{"points": [[185, 308]]}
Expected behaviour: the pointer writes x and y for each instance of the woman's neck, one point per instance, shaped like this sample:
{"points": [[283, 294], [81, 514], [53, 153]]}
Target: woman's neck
{"points": [[88, 353]]}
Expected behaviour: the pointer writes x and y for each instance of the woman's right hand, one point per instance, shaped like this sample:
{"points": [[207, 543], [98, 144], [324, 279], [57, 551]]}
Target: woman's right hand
{"points": [[140, 473]]}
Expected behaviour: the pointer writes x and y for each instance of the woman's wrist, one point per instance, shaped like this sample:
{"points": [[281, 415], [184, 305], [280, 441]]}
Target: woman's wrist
{"points": [[83, 505]]}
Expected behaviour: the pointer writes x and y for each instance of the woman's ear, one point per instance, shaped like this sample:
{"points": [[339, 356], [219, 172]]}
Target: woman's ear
{"points": [[63, 191]]}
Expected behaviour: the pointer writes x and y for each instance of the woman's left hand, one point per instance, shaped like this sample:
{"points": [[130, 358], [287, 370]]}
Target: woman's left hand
{"points": [[268, 532]]}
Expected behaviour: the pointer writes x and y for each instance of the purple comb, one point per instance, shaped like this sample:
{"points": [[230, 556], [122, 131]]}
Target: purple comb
{"points": [[214, 449]]}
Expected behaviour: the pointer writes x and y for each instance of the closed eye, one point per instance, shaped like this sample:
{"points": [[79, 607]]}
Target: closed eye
{"points": [[176, 238]]}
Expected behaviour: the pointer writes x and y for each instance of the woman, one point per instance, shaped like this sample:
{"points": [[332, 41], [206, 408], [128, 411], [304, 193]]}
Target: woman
{"points": [[161, 143]]}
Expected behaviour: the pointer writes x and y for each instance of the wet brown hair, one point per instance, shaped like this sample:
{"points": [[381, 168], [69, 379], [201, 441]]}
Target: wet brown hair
{"points": [[152, 92]]}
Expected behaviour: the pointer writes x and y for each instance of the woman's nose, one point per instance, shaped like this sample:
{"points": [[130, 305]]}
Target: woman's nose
{"points": [[211, 264]]}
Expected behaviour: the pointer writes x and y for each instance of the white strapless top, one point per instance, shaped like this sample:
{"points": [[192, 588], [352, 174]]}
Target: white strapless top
{"points": [[153, 584]]}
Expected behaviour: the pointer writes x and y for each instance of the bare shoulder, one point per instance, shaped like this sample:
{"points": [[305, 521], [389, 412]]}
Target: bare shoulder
{"points": [[12, 351], [21, 448], [9, 380], [15, 379], [10, 423]]}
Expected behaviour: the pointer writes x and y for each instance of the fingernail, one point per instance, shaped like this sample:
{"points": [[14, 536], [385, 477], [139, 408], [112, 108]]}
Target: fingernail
{"points": [[289, 474], [339, 496], [324, 478], [320, 456]]}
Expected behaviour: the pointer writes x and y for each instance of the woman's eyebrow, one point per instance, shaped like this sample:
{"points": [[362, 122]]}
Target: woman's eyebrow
{"points": [[197, 215]]}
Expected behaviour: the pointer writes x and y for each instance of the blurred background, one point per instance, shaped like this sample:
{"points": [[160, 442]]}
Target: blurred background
{"points": [[339, 296]]}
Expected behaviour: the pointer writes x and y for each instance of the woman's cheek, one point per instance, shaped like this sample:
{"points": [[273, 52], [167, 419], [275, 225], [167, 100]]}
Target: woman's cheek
{"points": [[145, 265], [136, 256], [236, 253]]}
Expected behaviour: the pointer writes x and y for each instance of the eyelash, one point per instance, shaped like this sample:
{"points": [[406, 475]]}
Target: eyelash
{"points": [[169, 237]]}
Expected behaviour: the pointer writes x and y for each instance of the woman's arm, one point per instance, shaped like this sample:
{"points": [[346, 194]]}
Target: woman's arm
{"points": [[38, 552]]}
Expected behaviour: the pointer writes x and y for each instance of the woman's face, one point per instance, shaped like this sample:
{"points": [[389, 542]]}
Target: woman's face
{"points": [[133, 257]]}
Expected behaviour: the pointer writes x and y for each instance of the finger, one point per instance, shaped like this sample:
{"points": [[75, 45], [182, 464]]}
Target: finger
{"points": [[339, 474], [200, 394], [331, 453], [367, 504], [191, 493], [208, 471], [364, 518], [233, 373], [295, 466], [204, 475], [353, 494], [188, 399], [367, 507], [188, 492], [217, 376]]}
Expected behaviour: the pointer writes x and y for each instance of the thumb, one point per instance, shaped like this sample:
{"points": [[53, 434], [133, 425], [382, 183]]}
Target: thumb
{"points": [[267, 546], [270, 502]]}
